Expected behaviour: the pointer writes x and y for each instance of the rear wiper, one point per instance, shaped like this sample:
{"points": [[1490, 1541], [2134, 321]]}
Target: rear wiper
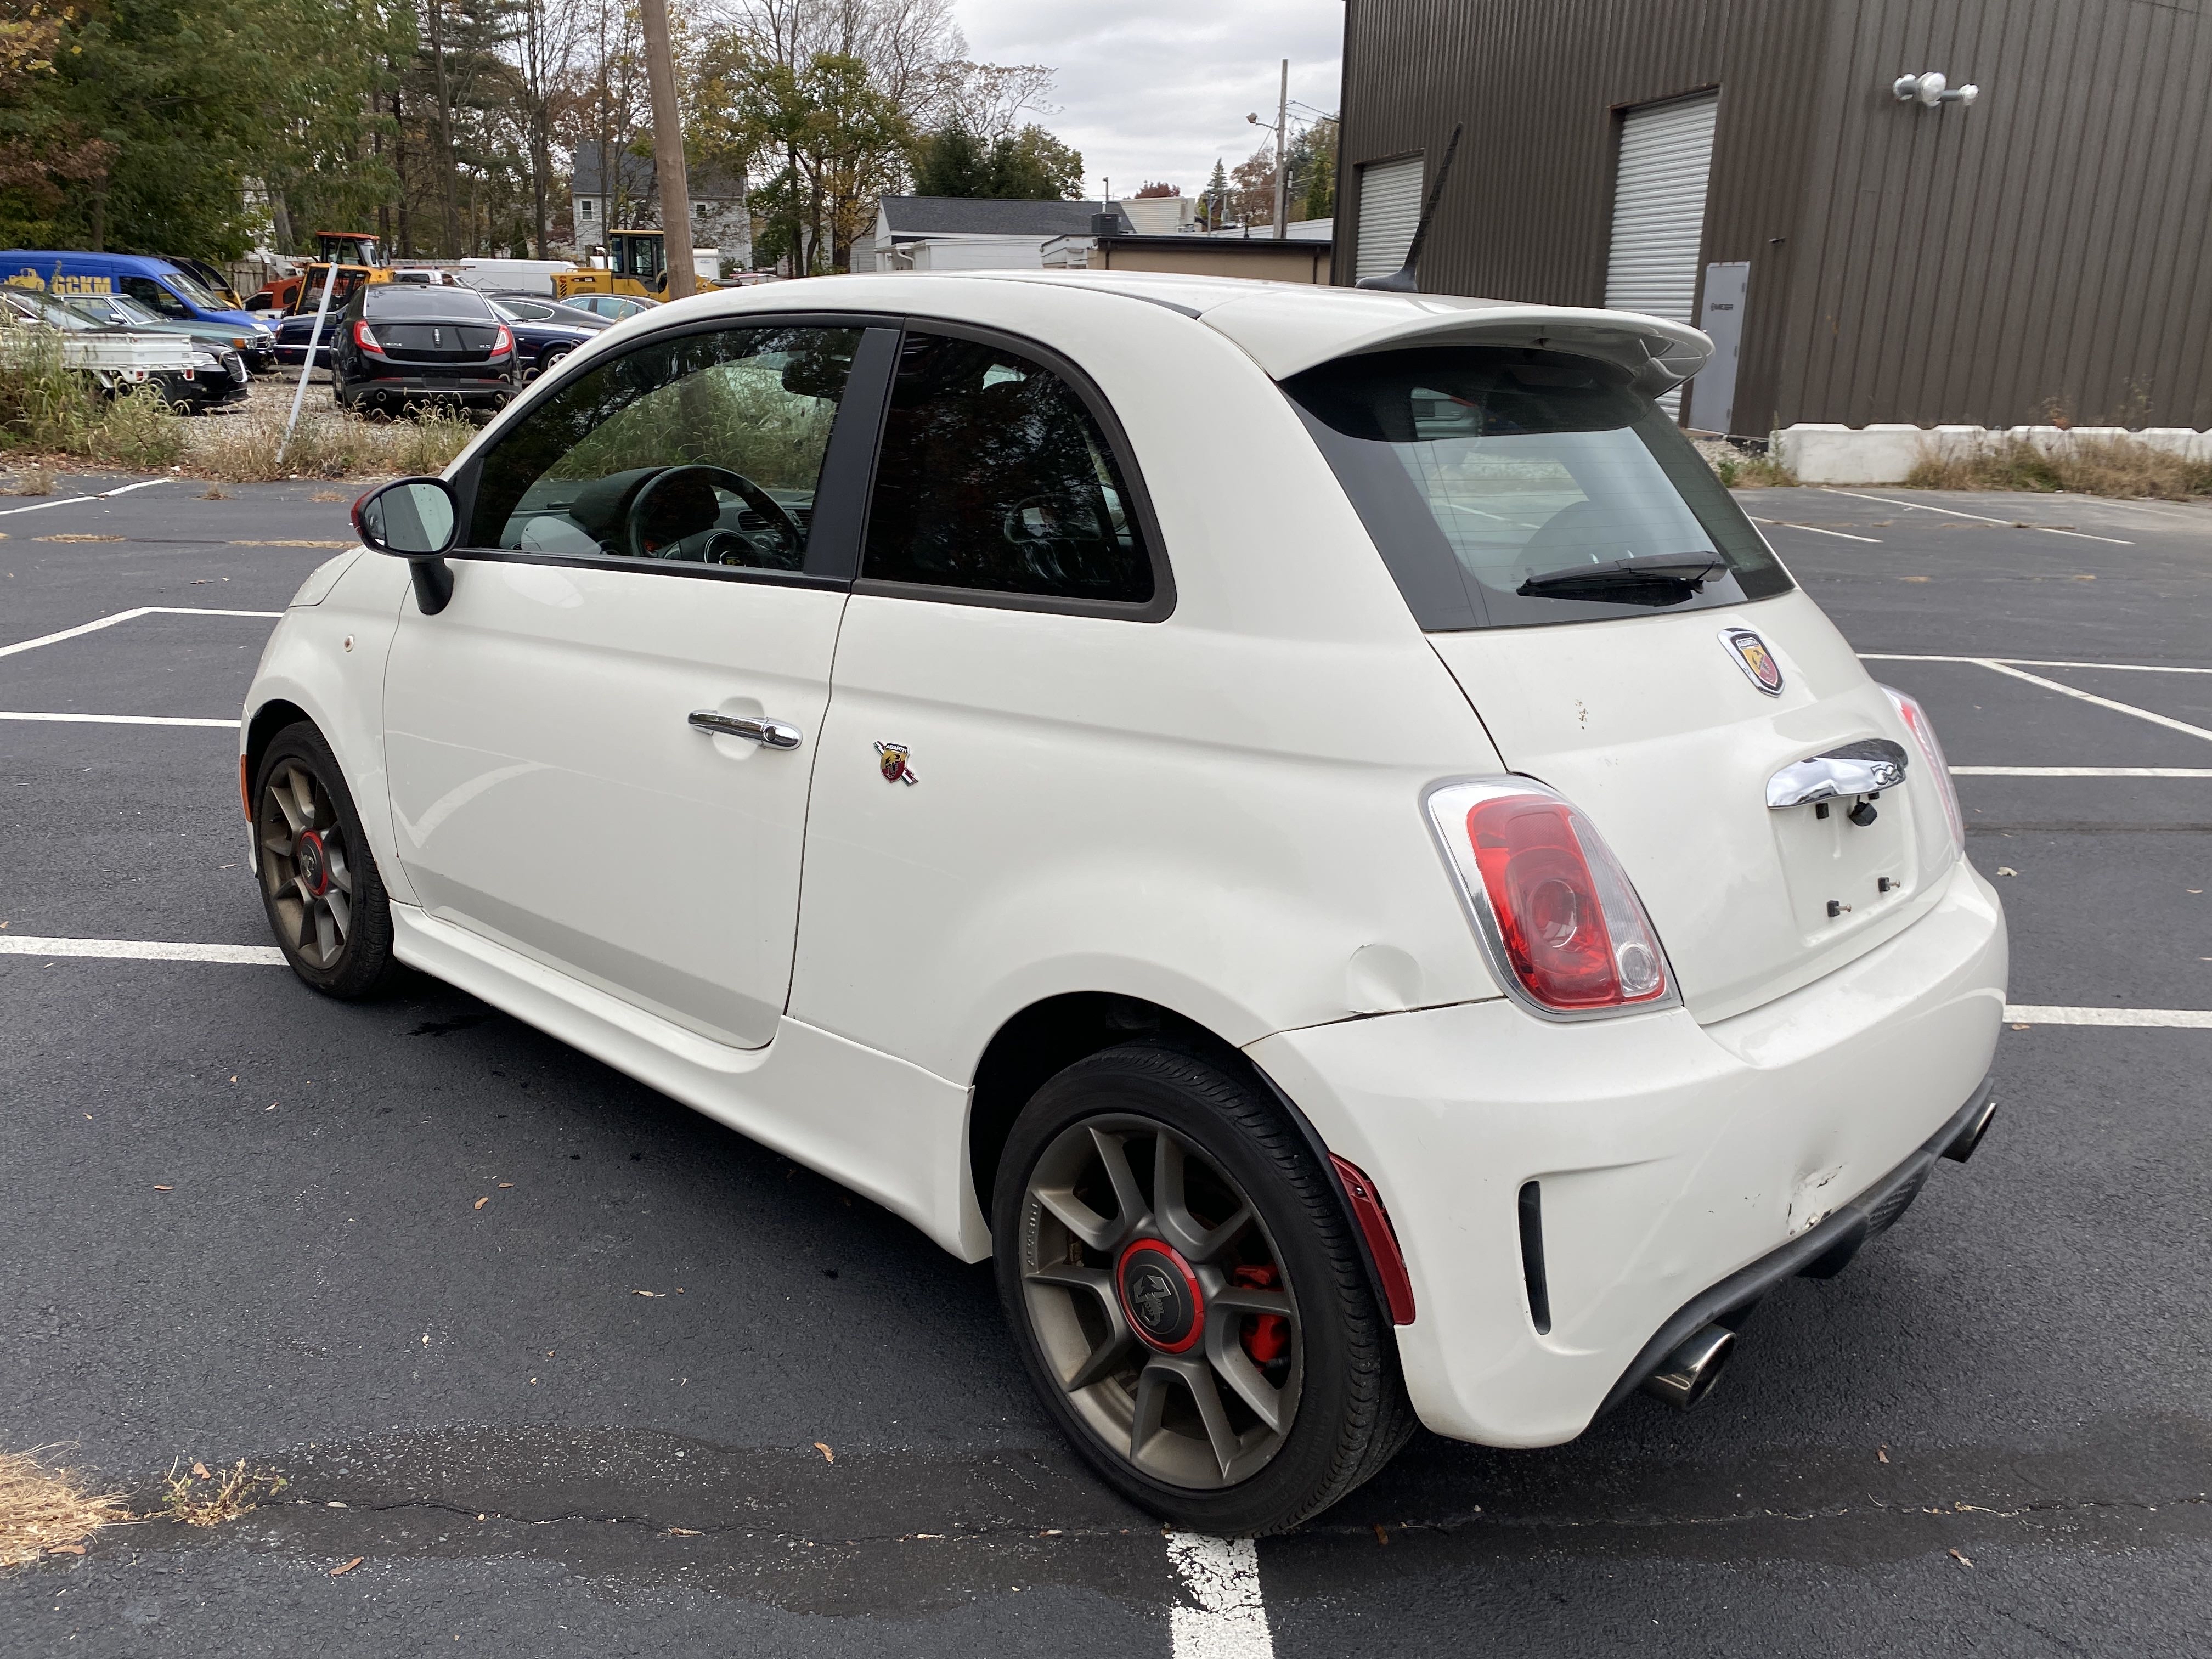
{"points": [[1647, 579]]}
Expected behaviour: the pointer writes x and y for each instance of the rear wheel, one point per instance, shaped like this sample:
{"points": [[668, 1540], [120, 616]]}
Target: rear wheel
{"points": [[553, 358], [319, 879], [1189, 1297]]}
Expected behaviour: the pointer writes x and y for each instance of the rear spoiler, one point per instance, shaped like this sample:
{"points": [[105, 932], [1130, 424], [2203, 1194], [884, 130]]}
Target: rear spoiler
{"points": [[1288, 333]]}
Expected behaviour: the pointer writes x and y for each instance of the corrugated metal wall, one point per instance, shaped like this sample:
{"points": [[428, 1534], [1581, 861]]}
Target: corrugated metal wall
{"points": [[2046, 249]]}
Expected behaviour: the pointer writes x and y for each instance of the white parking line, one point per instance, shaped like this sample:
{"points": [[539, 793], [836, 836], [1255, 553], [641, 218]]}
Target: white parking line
{"points": [[140, 950], [2081, 771], [1983, 517], [1793, 525], [2166, 720], [112, 719], [1224, 1617], [2033, 662], [2031, 1014], [131, 615], [73, 500]]}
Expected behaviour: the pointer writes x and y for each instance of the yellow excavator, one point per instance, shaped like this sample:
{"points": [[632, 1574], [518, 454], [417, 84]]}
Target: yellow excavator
{"points": [[357, 255], [637, 264]]}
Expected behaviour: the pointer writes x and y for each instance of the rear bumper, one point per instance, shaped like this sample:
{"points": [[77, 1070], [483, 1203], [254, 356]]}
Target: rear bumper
{"points": [[1669, 1157], [468, 388]]}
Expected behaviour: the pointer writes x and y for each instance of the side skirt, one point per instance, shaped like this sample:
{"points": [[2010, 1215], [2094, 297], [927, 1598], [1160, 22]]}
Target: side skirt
{"points": [[887, 1129]]}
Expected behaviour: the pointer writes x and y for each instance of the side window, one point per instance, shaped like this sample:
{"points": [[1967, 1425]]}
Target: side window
{"points": [[994, 476], [146, 290], [704, 449]]}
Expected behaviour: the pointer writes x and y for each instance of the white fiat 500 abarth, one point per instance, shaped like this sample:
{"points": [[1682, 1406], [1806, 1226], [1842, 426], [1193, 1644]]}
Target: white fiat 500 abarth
{"points": [[1303, 824]]}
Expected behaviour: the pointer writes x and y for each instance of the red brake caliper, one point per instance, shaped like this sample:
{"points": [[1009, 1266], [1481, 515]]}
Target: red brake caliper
{"points": [[1266, 1337]]}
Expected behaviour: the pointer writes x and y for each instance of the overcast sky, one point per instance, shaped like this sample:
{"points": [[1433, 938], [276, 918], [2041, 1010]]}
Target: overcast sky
{"points": [[1159, 89]]}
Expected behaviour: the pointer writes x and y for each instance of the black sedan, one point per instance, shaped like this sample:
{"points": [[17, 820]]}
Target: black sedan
{"points": [[400, 343], [545, 332]]}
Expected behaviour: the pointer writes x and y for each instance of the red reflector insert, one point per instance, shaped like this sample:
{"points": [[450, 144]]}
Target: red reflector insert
{"points": [[1381, 1239], [245, 791]]}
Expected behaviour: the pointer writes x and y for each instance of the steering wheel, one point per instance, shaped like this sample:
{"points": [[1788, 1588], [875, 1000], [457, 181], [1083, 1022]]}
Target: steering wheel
{"points": [[784, 526]]}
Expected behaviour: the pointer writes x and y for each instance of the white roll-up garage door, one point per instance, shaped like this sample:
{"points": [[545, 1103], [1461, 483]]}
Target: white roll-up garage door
{"points": [[1389, 208], [1659, 212]]}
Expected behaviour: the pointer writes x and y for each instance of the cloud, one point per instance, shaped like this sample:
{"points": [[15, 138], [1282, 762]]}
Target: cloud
{"points": [[1160, 89]]}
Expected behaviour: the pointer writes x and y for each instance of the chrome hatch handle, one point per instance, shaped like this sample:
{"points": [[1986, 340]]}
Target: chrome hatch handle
{"points": [[1856, 768]]}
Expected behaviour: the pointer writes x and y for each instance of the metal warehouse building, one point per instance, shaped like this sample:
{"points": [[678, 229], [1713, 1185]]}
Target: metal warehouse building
{"points": [[1863, 248]]}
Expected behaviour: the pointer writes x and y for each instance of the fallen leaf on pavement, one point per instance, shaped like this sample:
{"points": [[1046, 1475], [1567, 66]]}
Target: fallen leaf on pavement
{"points": [[349, 1566], [828, 1456], [2006, 870], [1380, 1536], [164, 1190], [659, 1293], [1883, 1452], [65, 1549], [685, 1532], [504, 1184], [2022, 1026], [1961, 1559], [200, 1471], [480, 1203]]}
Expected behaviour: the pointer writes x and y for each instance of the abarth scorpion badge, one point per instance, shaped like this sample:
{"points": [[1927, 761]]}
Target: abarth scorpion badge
{"points": [[891, 757], [1752, 656]]}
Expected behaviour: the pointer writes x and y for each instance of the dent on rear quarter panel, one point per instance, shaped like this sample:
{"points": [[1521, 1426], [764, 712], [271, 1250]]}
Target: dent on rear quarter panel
{"points": [[307, 663]]}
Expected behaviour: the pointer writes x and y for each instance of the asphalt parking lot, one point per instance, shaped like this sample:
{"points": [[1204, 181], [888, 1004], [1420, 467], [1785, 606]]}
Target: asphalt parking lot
{"points": [[667, 1392]]}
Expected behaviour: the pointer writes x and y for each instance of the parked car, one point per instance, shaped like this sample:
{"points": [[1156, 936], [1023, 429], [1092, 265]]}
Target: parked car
{"points": [[544, 332], [398, 344], [158, 284], [1437, 943], [257, 344], [209, 376], [615, 307]]}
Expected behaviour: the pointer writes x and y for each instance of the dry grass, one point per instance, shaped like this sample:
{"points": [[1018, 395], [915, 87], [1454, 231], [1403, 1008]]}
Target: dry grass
{"points": [[240, 446], [1743, 468], [201, 1497], [45, 1508], [32, 481], [2124, 467]]}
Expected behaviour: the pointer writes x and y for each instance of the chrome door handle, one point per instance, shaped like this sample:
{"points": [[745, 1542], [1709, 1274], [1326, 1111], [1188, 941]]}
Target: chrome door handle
{"points": [[1856, 768], [769, 734]]}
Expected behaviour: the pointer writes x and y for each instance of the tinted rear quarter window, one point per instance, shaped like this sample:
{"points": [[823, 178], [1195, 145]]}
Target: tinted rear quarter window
{"points": [[1478, 469], [994, 477]]}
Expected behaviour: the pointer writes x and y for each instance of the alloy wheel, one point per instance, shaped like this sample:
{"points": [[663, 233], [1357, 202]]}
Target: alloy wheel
{"points": [[306, 873], [1159, 1303]]}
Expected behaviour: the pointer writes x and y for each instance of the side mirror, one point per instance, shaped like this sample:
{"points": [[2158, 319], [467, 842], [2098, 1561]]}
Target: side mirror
{"points": [[416, 520]]}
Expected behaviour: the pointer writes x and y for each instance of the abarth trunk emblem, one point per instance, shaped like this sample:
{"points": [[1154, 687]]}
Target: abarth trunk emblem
{"points": [[891, 759], [1752, 656]]}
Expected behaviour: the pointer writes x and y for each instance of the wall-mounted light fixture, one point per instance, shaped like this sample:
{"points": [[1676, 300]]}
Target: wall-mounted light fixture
{"points": [[1931, 89]]}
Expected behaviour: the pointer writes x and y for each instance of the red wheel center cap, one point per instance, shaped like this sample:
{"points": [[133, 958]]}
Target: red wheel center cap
{"points": [[1160, 1296], [314, 863]]}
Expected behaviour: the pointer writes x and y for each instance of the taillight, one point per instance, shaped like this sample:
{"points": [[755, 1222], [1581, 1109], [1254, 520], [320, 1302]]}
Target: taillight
{"points": [[1549, 900], [365, 340], [1924, 733], [503, 341]]}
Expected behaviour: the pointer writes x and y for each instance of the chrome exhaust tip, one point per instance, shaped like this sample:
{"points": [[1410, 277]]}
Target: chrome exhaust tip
{"points": [[1687, 1375], [1963, 1144]]}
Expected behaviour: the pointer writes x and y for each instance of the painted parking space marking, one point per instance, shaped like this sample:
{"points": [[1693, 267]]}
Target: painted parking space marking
{"points": [[131, 615], [2198, 1019], [1816, 529], [1223, 1617], [140, 949], [1982, 518], [2081, 771], [2166, 720], [78, 500], [2033, 662], [114, 720]]}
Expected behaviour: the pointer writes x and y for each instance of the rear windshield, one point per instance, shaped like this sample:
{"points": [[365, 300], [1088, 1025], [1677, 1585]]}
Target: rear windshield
{"points": [[1477, 469], [394, 299]]}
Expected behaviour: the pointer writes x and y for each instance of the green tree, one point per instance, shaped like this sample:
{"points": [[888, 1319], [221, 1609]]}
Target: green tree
{"points": [[1314, 157], [1028, 166]]}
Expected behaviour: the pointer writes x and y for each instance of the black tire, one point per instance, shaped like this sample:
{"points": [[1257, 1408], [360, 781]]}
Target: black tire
{"points": [[1336, 1369], [318, 880]]}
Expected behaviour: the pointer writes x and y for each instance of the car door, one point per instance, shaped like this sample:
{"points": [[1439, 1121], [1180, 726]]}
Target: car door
{"points": [[599, 751]]}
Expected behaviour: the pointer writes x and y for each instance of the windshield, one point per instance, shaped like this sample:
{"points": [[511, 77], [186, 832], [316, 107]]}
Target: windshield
{"points": [[195, 290], [1478, 469]]}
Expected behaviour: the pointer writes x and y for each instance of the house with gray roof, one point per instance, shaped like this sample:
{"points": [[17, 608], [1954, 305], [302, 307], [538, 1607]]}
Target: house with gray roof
{"points": [[996, 231], [626, 195]]}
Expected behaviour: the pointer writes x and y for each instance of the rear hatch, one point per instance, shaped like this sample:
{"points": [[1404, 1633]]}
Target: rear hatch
{"points": [[1628, 638]]}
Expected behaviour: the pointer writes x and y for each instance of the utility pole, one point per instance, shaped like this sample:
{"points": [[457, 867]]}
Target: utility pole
{"points": [[667, 149], [1282, 155]]}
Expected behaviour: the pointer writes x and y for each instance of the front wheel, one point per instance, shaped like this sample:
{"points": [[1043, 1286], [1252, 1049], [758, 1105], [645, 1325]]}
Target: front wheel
{"points": [[1189, 1297], [319, 879]]}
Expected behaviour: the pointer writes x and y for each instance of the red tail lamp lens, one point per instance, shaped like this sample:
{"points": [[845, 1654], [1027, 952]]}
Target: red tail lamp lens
{"points": [[1566, 919], [1924, 733], [365, 340], [503, 341]]}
